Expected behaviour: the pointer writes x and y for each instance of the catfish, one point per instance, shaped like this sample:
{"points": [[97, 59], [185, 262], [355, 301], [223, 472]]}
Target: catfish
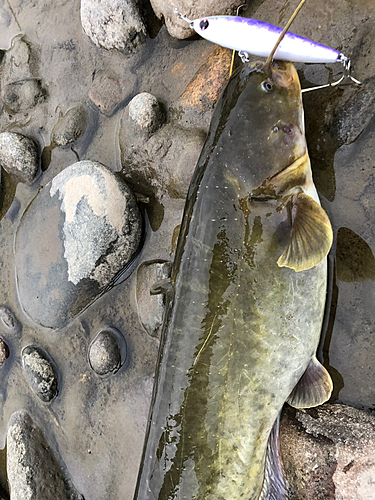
{"points": [[245, 302]]}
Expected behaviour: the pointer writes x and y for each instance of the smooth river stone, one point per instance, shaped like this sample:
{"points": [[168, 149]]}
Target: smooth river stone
{"points": [[76, 235]]}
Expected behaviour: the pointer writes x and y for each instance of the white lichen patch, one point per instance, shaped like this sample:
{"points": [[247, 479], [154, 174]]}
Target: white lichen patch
{"points": [[95, 213]]}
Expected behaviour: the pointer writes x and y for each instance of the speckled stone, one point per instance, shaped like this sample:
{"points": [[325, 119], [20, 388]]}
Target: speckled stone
{"points": [[107, 352], [39, 372], [19, 156], [145, 113], [9, 321], [113, 25]]}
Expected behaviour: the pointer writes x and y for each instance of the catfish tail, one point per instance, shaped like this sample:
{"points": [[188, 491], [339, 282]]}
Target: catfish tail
{"points": [[275, 486]]}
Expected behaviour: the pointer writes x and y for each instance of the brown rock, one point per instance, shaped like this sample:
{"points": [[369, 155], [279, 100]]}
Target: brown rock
{"points": [[195, 106], [107, 92], [329, 453]]}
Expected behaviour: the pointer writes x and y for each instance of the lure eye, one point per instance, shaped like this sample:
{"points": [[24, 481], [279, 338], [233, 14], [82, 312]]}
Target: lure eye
{"points": [[203, 24], [267, 86]]}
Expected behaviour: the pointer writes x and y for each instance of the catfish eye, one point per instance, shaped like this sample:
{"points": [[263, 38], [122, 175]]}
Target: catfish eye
{"points": [[203, 24], [267, 86]]}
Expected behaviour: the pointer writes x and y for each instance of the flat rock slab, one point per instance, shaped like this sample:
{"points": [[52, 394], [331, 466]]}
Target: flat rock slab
{"points": [[77, 234], [329, 453], [34, 473]]}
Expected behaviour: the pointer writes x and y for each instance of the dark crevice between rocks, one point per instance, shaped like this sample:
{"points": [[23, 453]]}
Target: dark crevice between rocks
{"points": [[4, 490]]}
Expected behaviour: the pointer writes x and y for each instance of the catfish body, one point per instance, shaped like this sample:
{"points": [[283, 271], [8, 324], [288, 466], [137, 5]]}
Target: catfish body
{"points": [[241, 328]]}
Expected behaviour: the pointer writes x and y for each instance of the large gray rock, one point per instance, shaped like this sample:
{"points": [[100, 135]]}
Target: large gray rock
{"points": [[19, 156], [78, 233], [329, 453], [191, 9], [114, 24], [34, 473]]}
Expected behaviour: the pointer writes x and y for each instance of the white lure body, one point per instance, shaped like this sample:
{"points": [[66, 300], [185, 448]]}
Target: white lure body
{"points": [[258, 38]]}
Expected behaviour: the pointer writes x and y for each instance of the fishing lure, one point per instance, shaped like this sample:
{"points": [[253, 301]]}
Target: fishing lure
{"points": [[249, 36]]}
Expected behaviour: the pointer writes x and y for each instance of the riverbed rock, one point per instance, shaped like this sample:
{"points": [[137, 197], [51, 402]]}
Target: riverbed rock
{"points": [[151, 307], [69, 127], [115, 24], [192, 10], [4, 352], [21, 88], [40, 372], [107, 93], [9, 321], [329, 453], [34, 472], [77, 234], [19, 156], [107, 352], [161, 163], [146, 113]]}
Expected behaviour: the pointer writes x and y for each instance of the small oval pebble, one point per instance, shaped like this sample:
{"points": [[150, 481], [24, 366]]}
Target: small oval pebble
{"points": [[69, 127], [9, 321], [146, 113], [4, 352], [107, 352], [39, 372]]}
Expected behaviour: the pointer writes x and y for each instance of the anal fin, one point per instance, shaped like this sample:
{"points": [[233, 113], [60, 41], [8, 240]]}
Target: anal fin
{"points": [[311, 234], [314, 387], [275, 486]]}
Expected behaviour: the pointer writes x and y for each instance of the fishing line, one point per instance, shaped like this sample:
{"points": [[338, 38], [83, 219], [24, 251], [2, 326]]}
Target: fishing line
{"points": [[233, 51], [282, 34]]}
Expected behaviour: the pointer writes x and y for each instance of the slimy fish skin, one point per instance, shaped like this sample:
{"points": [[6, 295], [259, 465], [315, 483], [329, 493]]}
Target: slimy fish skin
{"points": [[245, 303], [250, 36]]}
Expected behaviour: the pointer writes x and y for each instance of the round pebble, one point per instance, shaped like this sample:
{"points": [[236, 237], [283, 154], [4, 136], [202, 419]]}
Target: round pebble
{"points": [[19, 156], [4, 352], [107, 352], [69, 127], [146, 113]]}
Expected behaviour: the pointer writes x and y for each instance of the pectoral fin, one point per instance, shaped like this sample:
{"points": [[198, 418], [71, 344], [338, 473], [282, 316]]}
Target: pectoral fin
{"points": [[314, 387], [311, 234]]}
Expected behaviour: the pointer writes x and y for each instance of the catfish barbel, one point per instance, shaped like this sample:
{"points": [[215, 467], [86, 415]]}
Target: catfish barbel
{"points": [[246, 301]]}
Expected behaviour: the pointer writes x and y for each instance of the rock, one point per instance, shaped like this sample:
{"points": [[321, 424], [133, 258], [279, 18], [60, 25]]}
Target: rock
{"points": [[107, 352], [162, 163], [151, 307], [39, 372], [34, 472], [195, 106], [106, 93], [19, 156], [146, 114], [9, 321], [192, 10], [329, 453], [21, 88], [4, 352], [77, 234], [69, 126], [22, 94], [115, 24]]}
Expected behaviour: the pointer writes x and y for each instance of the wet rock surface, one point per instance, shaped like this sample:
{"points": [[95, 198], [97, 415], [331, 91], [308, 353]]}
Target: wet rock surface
{"points": [[113, 25], [79, 232], [146, 114], [328, 452], [33, 470], [40, 372], [107, 352], [19, 156], [98, 422]]}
